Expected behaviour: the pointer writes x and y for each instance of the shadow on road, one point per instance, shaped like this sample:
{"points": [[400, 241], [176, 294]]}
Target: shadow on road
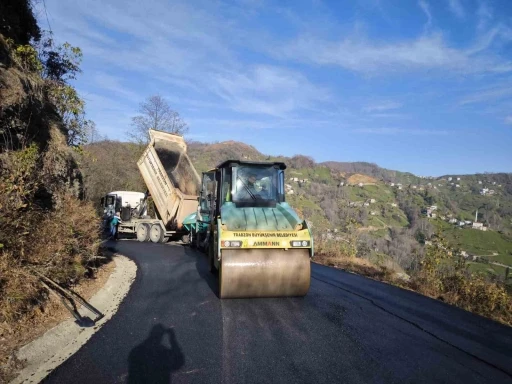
{"points": [[152, 361], [202, 269]]}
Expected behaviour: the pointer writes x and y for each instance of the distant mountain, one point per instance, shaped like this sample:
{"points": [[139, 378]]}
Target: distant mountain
{"points": [[206, 156]]}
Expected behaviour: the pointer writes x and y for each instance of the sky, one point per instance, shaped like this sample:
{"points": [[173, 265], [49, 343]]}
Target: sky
{"points": [[421, 86]]}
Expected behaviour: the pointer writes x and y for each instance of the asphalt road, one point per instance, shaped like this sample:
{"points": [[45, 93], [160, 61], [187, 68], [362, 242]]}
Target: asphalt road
{"points": [[348, 329]]}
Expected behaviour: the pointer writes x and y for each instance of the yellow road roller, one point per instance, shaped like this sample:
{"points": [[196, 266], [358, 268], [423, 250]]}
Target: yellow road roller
{"points": [[254, 240]]}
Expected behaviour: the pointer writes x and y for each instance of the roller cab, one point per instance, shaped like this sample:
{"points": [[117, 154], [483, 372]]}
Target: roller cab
{"points": [[255, 240]]}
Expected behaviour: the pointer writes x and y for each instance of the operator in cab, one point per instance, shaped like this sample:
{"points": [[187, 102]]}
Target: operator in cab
{"points": [[252, 191]]}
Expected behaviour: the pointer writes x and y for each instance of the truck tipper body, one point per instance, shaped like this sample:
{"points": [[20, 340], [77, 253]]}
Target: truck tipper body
{"points": [[172, 182]]}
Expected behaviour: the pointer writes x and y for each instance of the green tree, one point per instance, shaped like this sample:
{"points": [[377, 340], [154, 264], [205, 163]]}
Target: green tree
{"points": [[57, 65]]}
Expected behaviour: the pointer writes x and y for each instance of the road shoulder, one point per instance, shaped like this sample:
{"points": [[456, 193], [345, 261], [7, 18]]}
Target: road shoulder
{"points": [[46, 353]]}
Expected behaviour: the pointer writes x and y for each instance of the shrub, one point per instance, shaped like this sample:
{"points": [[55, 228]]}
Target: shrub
{"points": [[444, 274], [60, 243]]}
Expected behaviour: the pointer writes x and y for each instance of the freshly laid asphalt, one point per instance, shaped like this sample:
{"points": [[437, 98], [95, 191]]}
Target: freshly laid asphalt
{"points": [[172, 328]]}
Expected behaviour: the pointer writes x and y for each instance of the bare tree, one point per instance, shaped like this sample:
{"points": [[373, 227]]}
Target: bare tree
{"points": [[155, 113]]}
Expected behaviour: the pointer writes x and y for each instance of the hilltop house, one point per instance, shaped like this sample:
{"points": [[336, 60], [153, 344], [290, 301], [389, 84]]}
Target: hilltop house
{"points": [[479, 226], [430, 212]]}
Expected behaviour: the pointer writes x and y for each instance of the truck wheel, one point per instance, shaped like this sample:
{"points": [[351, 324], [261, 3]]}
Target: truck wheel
{"points": [[192, 239], [211, 255], [157, 233], [143, 232], [185, 239], [199, 240]]}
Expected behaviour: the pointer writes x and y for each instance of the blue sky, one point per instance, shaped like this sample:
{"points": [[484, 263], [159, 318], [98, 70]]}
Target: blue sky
{"points": [[422, 86]]}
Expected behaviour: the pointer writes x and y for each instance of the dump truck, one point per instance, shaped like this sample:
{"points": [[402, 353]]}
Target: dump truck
{"points": [[173, 184], [253, 239]]}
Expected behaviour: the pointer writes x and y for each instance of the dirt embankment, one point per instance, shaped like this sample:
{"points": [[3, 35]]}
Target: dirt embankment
{"points": [[44, 226], [14, 336], [357, 178]]}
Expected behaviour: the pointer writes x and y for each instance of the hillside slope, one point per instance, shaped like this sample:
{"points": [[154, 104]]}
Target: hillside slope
{"points": [[386, 209]]}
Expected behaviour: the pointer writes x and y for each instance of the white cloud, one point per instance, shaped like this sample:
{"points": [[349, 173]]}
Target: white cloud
{"points": [[457, 8], [361, 55], [189, 48], [508, 120], [268, 90], [485, 96], [484, 15], [404, 131], [114, 85], [382, 106], [209, 58], [426, 9]]}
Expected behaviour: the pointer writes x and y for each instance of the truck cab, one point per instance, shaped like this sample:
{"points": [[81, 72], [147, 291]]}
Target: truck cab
{"points": [[117, 200]]}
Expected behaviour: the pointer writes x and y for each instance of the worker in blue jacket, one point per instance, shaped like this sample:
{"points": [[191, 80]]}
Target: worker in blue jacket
{"points": [[114, 226]]}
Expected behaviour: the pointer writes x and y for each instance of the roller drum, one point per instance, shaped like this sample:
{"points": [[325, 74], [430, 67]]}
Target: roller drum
{"points": [[246, 273]]}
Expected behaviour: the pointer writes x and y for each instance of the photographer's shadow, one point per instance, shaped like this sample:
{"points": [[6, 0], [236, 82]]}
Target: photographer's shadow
{"points": [[153, 361]]}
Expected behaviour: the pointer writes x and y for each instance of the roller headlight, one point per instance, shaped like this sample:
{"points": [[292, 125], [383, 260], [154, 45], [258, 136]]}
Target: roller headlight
{"points": [[231, 243], [299, 243]]}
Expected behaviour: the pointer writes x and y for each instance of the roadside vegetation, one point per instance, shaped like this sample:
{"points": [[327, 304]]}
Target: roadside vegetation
{"points": [[46, 228], [440, 272]]}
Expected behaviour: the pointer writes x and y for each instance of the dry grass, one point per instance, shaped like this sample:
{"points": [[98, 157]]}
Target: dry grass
{"points": [[453, 283], [39, 320], [358, 178], [357, 265], [60, 244], [54, 234], [343, 256]]}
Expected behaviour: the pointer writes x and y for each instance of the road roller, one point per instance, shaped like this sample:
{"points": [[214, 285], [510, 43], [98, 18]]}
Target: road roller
{"points": [[254, 240]]}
